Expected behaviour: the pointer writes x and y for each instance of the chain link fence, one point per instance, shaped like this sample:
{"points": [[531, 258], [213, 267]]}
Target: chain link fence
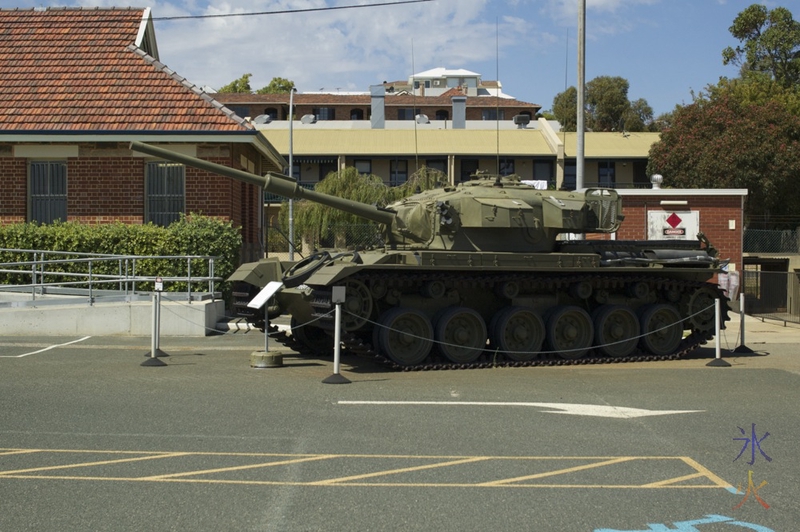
{"points": [[764, 241], [772, 295]]}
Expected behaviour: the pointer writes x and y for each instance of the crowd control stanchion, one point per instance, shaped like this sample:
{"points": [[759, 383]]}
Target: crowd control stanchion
{"points": [[338, 297], [717, 362], [155, 331], [742, 348]]}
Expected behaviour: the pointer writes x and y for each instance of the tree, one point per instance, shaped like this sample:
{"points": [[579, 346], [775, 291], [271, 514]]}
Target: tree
{"points": [[724, 142], [606, 103], [639, 116], [770, 43], [755, 88], [277, 86], [607, 107], [313, 221], [564, 105], [238, 85]]}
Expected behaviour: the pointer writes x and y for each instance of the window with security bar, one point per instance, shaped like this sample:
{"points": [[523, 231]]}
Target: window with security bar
{"points": [[398, 170], [165, 187], [506, 167], [48, 191]]}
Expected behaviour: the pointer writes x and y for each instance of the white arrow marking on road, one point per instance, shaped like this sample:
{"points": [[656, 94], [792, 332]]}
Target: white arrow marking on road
{"points": [[560, 408]]}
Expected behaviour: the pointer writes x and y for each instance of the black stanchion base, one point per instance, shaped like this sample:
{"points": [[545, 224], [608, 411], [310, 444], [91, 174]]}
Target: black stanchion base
{"points": [[743, 349], [153, 362], [159, 354], [718, 363], [336, 378]]}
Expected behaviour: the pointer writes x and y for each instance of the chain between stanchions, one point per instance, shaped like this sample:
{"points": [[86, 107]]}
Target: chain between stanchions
{"points": [[488, 360]]}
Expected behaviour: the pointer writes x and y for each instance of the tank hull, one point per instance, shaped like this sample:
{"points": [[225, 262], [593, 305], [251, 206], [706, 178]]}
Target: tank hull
{"points": [[420, 309]]}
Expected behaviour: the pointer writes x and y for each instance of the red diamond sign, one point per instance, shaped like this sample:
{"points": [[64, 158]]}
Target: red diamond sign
{"points": [[674, 220]]}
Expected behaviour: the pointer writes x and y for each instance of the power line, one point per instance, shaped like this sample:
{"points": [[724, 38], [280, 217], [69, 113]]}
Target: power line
{"points": [[257, 13]]}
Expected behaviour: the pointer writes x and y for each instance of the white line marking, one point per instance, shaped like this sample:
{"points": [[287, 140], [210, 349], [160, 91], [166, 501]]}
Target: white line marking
{"points": [[560, 408], [46, 348]]}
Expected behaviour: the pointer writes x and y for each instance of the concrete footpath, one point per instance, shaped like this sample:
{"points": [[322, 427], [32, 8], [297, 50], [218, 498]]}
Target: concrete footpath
{"points": [[758, 332]]}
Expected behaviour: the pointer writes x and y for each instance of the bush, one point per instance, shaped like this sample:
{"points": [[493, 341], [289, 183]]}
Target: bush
{"points": [[191, 235]]}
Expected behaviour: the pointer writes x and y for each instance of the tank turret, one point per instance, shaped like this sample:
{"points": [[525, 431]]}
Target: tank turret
{"points": [[478, 272]]}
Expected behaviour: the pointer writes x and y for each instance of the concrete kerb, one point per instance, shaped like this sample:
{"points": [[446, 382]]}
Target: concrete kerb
{"points": [[134, 318]]}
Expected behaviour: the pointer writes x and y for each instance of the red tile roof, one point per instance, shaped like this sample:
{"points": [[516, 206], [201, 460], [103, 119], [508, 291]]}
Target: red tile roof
{"points": [[78, 70]]}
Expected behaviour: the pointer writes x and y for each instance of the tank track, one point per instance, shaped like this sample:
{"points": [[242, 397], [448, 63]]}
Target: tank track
{"points": [[486, 361], [357, 345]]}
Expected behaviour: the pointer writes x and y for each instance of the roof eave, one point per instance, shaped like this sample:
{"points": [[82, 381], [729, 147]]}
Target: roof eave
{"points": [[253, 137]]}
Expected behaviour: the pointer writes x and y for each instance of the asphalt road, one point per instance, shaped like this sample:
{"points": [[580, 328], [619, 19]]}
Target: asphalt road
{"points": [[92, 440]]}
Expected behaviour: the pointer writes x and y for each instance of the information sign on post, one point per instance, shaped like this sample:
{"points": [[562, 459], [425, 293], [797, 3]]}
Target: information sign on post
{"points": [[272, 288], [155, 335], [338, 297]]}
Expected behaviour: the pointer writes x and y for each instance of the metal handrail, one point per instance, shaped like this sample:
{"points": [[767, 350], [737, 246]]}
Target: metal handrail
{"points": [[40, 267]]}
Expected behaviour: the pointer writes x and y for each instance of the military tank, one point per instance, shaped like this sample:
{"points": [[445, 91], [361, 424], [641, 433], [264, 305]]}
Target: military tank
{"points": [[481, 274]]}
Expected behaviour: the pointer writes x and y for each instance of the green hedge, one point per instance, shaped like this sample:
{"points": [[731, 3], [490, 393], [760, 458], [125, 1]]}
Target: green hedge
{"points": [[191, 235]]}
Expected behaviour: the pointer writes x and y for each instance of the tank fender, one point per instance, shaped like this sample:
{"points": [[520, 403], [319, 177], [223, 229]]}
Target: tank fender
{"points": [[333, 273], [259, 273]]}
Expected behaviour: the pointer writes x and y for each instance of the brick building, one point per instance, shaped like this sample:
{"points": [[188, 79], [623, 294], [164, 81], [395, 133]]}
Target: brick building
{"points": [[76, 86], [427, 95], [325, 106], [719, 214]]}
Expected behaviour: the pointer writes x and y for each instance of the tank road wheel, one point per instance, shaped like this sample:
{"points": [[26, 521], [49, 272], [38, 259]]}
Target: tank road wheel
{"points": [[569, 332], [301, 271], [700, 313], [518, 332], [357, 306], [405, 336], [662, 329], [314, 338], [461, 333], [616, 330]]}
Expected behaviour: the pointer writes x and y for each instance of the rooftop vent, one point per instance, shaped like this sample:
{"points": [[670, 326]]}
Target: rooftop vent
{"points": [[522, 120]]}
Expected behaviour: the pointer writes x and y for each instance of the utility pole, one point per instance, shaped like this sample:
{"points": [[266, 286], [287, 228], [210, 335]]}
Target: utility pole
{"points": [[579, 155]]}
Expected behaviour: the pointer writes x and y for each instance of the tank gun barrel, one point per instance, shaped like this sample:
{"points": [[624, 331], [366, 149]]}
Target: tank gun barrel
{"points": [[273, 183]]}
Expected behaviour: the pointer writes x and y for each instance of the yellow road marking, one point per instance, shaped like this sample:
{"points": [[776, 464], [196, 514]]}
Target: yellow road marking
{"points": [[711, 476], [89, 464], [675, 480], [557, 472], [358, 480], [351, 484], [9, 452], [396, 471], [239, 468]]}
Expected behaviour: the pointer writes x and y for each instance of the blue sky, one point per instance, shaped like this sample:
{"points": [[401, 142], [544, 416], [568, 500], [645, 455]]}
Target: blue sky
{"points": [[665, 48]]}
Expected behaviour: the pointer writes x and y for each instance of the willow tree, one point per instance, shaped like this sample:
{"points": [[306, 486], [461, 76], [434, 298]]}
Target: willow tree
{"points": [[314, 222]]}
